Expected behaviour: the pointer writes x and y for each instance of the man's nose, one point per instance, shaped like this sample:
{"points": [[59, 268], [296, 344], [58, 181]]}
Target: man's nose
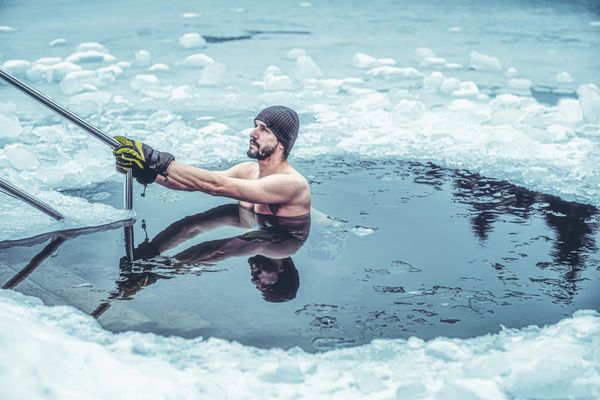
{"points": [[253, 133]]}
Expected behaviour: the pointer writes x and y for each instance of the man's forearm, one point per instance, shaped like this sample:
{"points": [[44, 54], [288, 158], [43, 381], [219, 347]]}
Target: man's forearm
{"points": [[185, 177]]}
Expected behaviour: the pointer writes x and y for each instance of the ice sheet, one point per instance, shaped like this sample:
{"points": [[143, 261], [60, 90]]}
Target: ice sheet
{"points": [[558, 361]]}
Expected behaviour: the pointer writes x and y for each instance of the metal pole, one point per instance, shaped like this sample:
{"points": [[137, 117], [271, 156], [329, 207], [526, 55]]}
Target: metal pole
{"points": [[29, 199], [86, 126]]}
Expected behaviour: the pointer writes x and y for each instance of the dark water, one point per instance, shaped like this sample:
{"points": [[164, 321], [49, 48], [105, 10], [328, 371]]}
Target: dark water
{"points": [[408, 249]]}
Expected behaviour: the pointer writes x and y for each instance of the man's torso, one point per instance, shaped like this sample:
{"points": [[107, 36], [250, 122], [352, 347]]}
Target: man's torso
{"points": [[300, 205]]}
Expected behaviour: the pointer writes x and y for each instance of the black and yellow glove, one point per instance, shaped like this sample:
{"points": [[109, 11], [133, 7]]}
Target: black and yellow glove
{"points": [[145, 162]]}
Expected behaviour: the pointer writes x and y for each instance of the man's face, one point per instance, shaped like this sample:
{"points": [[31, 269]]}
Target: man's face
{"points": [[263, 141]]}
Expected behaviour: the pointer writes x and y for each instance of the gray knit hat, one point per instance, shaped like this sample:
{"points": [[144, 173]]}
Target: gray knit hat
{"points": [[284, 123]]}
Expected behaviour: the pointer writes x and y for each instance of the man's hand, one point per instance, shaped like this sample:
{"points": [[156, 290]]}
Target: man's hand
{"points": [[145, 162]]}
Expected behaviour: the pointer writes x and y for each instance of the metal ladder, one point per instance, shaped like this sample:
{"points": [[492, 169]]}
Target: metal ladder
{"points": [[87, 127]]}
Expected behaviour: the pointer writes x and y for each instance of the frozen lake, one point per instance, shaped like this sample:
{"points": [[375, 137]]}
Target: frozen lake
{"points": [[453, 157]]}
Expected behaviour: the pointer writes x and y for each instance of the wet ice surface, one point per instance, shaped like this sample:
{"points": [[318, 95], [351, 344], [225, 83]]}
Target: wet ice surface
{"points": [[420, 251]]}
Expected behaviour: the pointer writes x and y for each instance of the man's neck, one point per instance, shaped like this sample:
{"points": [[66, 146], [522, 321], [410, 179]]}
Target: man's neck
{"points": [[271, 165]]}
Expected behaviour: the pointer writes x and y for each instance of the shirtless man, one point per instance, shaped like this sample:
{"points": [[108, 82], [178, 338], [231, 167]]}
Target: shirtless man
{"points": [[270, 186]]}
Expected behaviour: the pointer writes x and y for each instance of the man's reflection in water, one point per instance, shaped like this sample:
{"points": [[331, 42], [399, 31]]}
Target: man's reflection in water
{"points": [[270, 246]]}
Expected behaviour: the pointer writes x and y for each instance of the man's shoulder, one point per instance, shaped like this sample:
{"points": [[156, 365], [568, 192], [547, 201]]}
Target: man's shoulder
{"points": [[246, 170]]}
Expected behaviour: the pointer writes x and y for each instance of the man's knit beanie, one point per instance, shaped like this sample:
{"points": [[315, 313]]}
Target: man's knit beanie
{"points": [[284, 123]]}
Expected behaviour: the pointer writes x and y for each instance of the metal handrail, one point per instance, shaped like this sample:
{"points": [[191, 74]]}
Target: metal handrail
{"points": [[89, 128], [20, 194], [75, 119]]}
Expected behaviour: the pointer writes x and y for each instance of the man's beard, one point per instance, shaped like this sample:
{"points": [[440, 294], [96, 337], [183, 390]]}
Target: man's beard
{"points": [[261, 153]]}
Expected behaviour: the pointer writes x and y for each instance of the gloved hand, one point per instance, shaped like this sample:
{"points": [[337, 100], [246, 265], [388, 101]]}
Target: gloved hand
{"points": [[145, 162]]}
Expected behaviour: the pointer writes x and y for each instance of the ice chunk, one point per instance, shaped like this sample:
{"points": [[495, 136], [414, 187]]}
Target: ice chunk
{"points": [[306, 4], [198, 60], [6, 28], [10, 126], [589, 99], [38, 72], [507, 101], [563, 77], [511, 72], [409, 108], [58, 42], [296, 52], [213, 74], [519, 83], [124, 64], [214, 128], [159, 67], [190, 15], [450, 85], [331, 86], [281, 372], [143, 58], [595, 24], [108, 74], [306, 68], [21, 158], [17, 67], [90, 56], [48, 60], [78, 81], [432, 61], [279, 82], [569, 110], [58, 71], [272, 70], [435, 80], [371, 101], [424, 52], [389, 72], [97, 98], [484, 62], [95, 46], [144, 81], [86, 104], [362, 60], [181, 92], [454, 29], [386, 61], [453, 65], [192, 41], [466, 89], [362, 231]]}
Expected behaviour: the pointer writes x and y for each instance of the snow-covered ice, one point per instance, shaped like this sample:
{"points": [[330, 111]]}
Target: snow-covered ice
{"points": [[557, 361]]}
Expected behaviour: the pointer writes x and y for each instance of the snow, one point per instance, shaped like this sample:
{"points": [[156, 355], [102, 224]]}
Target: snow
{"points": [[557, 361]]}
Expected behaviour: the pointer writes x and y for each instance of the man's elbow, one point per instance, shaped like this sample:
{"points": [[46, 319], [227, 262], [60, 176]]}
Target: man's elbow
{"points": [[218, 189]]}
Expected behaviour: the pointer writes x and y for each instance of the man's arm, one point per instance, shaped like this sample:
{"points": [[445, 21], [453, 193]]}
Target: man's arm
{"points": [[272, 189]]}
